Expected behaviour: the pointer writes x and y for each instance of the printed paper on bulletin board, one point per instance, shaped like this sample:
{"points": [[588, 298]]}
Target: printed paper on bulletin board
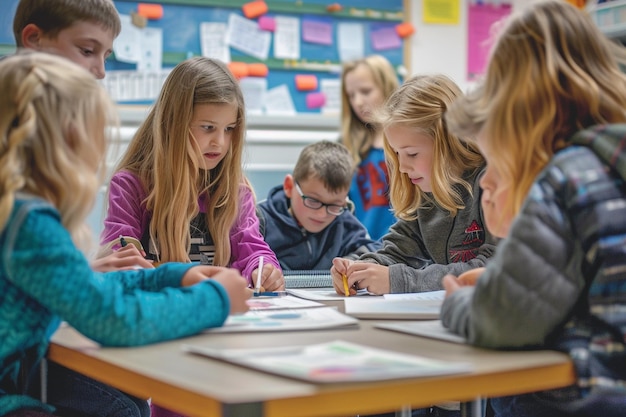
{"points": [[483, 21], [444, 12], [309, 39], [306, 39]]}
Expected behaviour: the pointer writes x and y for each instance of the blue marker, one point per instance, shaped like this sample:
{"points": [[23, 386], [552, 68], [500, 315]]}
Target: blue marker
{"points": [[271, 294]]}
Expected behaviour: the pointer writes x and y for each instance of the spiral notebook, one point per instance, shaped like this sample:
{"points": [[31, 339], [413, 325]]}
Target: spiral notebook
{"points": [[308, 278]]}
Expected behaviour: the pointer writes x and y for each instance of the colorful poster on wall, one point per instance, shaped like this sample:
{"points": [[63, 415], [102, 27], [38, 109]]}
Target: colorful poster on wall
{"points": [[482, 24]]}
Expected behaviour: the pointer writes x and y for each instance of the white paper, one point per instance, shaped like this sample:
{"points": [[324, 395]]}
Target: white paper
{"points": [[278, 101], [287, 38], [127, 45], [325, 294], [336, 361], [244, 35], [213, 41], [151, 54], [129, 85], [426, 295], [386, 308], [280, 303], [431, 328], [332, 89], [285, 320], [351, 40], [253, 89]]}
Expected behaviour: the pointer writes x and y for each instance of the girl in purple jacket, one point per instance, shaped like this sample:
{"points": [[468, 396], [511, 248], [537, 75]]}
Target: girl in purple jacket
{"points": [[180, 189]]}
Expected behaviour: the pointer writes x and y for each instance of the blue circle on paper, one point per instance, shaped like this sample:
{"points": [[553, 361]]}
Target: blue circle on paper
{"points": [[281, 316]]}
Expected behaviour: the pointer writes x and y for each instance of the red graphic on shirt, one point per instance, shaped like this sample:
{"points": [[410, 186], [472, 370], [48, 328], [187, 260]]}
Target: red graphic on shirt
{"points": [[372, 181], [473, 238]]}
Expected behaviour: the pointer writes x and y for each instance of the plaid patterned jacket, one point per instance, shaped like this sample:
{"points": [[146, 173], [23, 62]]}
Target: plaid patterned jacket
{"points": [[595, 336]]}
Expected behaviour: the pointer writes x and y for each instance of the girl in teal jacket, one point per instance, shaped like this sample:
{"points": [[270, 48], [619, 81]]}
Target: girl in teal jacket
{"points": [[53, 123]]}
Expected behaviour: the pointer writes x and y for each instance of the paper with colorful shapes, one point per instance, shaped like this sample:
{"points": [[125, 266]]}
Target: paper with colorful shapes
{"points": [[280, 303], [332, 362], [286, 320]]}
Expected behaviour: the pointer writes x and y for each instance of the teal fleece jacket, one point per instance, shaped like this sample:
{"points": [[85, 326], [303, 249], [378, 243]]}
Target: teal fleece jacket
{"points": [[44, 279]]}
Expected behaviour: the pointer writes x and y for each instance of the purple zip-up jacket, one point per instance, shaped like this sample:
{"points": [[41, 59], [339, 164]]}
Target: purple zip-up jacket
{"points": [[127, 216]]}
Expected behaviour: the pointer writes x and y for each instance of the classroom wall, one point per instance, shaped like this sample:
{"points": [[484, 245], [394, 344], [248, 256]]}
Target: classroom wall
{"points": [[273, 143], [443, 48]]}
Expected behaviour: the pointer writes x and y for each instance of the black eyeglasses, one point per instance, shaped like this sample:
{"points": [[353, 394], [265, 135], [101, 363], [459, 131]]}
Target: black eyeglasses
{"points": [[314, 204]]}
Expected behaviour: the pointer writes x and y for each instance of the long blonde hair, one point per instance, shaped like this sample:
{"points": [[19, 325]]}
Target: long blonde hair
{"points": [[53, 136], [420, 104], [357, 136], [551, 73], [164, 156]]}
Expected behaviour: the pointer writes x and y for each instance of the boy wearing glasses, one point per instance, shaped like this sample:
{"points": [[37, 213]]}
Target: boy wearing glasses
{"points": [[307, 221]]}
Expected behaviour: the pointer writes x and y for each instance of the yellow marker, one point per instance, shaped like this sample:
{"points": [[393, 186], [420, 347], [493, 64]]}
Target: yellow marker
{"points": [[346, 289]]}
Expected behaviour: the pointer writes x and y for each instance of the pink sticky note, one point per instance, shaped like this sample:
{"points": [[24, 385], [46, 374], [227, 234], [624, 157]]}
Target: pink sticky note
{"points": [[315, 100], [267, 23], [385, 38]]}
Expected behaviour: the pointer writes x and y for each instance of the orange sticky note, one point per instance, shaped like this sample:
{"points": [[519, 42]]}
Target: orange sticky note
{"points": [[239, 69], [257, 70], [405, 29], [150, 11], [306, 82], [254, 9], [335, 7]]}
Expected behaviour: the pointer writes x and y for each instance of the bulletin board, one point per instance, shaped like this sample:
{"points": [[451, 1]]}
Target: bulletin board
{"points": [[181, 21]]}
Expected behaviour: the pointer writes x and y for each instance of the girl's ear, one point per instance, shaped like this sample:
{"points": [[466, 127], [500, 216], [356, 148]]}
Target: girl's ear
{"points": [[288, 185], [31, 36]]}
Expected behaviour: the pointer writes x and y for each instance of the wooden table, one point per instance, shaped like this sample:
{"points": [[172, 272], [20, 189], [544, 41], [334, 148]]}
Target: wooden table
{"points": [[198, 386]]}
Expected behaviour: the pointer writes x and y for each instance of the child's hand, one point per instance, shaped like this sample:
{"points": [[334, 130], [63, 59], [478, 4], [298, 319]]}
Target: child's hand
{"points": [[337, 272], [200, 273], [469, 278], [450, 284], [128, 257], [272, 278], [372, 277], [235, 285]]}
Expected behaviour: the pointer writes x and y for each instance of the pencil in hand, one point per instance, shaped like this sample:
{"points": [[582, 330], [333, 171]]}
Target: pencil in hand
{"points": [[346, 289], [259, 276]]}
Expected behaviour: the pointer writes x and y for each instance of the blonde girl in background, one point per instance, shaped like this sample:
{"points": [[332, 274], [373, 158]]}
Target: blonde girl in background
{"points": [[179, 188], [434, 193], [550, 118], [53, 128], [366, 84]]}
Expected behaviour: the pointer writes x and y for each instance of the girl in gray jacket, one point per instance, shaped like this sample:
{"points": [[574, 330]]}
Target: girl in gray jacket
{"points": [[434, 193]]}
